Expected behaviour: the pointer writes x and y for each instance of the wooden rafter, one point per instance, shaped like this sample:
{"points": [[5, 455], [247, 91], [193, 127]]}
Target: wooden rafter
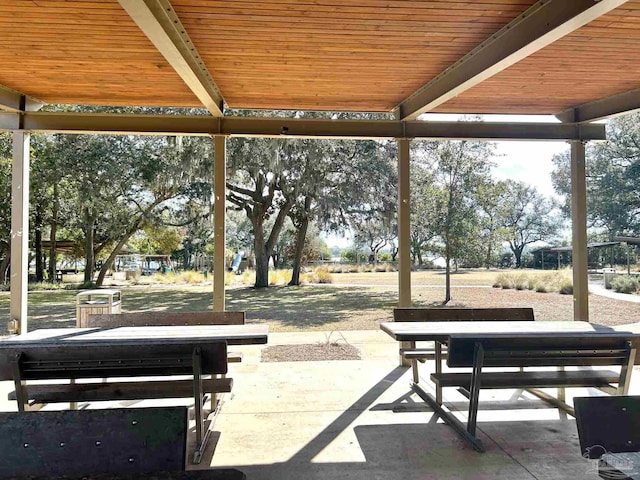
{"points": [[620, 104], [159, 22], [540, 25], [13, 101]]}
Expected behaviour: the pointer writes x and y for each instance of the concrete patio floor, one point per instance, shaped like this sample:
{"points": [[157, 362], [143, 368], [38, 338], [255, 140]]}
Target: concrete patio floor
{"points": [[358, 419]]}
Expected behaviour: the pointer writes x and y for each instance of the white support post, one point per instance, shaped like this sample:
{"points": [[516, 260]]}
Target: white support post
{"points": [[219, 213], [579, 231], [19, 232], [404, 231]]}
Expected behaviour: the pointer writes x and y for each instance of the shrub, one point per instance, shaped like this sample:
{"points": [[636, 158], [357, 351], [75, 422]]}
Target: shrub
{"points": [[521, 281], [542, 287], [323, 276], [319, 275], [625, 284], [566, 286], [190, 276], [279, 277]]}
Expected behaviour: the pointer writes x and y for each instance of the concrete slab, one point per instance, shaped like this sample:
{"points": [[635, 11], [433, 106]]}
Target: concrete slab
{"points": [[360, 420]]}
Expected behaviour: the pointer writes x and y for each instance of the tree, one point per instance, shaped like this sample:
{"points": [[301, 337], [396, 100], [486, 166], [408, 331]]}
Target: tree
{"points": [[612, 169], [123, 184], [424, 201], [493, 202], [259, 186], [459, 168], [528, 217], [5, 205]]}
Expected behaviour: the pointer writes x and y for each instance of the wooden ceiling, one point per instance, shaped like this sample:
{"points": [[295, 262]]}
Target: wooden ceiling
{"points": [[83, 52], [596, 61], [314, 54], [365, 55]]}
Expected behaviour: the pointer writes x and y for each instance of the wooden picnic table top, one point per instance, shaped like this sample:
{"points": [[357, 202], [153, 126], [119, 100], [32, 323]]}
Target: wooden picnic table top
{"points": [[441, 331], [232, 334]]}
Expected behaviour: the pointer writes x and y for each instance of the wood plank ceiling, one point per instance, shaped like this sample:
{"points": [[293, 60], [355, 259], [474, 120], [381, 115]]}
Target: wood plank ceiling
{"points": [[365, 55], [596, 61], [83, 52], [335, 55]]}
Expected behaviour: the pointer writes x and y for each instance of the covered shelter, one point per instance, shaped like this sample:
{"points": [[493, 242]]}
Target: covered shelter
{"points": [[571, 59], [569, 249]]}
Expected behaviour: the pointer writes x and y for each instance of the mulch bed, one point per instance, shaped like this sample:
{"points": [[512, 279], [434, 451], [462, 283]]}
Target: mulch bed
{"points": [[310, 352]]}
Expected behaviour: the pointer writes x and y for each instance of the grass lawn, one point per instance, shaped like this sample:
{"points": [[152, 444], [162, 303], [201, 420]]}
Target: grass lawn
{"points": [[328, 307]]}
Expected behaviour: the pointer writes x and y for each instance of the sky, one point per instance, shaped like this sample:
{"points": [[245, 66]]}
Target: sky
{"points": [[529, 162]]}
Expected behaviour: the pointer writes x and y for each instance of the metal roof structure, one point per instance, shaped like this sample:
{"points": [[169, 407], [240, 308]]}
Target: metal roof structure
{"points": [[569, 248], [576, 59]]}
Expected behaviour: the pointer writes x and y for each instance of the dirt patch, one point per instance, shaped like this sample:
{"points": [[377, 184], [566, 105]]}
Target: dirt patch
{"points": [[310, 352]]}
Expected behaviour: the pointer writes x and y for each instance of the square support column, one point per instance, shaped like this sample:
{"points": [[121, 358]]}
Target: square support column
{"points": [[579, 232], [404, 232], [19, 232], [219, 222], [404, 228]]}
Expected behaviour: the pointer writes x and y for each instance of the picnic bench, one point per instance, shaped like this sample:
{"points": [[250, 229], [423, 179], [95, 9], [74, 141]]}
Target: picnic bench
{"points": [[517, 345], [609, 431], [67, 355], [415, 354], [114, 444], [557, 350], [155, 319]]}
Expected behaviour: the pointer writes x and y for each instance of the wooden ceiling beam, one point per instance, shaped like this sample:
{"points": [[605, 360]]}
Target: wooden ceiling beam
{"points": [[619, 104], [54, 122], [13, 101], [542, 24], [160, 23]]}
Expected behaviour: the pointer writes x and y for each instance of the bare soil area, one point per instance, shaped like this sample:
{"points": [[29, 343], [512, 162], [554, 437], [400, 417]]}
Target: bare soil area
{"points": [[327, 307], [310, 352]]}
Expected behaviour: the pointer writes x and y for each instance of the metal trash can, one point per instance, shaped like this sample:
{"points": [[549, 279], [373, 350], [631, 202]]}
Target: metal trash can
{"points": [[96, 301], [608, 274]]}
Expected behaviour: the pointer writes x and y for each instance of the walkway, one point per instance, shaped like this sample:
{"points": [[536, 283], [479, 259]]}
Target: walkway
{"points": [[598, 289]]}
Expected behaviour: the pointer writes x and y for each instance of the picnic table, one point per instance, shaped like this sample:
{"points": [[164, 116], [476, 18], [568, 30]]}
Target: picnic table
{"points": [[479, 344], [101, 353]]}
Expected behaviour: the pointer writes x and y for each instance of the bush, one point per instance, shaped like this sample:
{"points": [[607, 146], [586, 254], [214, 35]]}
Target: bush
{"points": [[323, 275], [566, 286], [503, 280], [543, 282], [625, 284], [191, 277], [319, 275], [280, 277]]}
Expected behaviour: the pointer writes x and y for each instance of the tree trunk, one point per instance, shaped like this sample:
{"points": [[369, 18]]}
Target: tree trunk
{"points": [[264, 248], [4, 266], [262, 256], [112, 256], [300, 239], [447, 288], [517, 252], [37, 240], [52, 237], [186, 256], [88, 246]]}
